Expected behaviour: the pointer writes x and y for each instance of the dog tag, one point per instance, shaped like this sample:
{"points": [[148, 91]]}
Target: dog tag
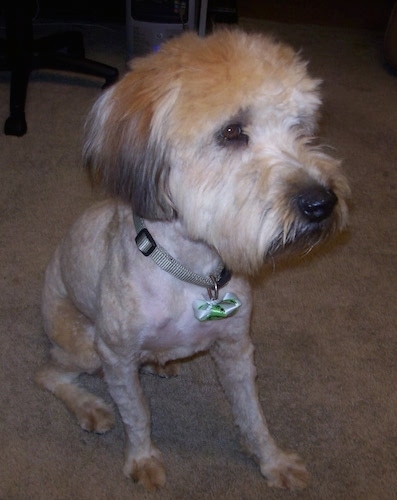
{"points": [[206, 310]]}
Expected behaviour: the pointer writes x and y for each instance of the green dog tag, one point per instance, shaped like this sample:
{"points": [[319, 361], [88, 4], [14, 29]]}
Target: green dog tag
{"points": [[207, 310]]}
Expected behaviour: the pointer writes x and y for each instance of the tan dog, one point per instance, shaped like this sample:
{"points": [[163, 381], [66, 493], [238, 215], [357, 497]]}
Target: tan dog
{"points": [[209, 143]]}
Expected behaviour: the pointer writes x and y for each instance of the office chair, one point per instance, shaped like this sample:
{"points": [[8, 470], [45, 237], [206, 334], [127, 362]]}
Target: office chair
{"points": [[21, 54]]}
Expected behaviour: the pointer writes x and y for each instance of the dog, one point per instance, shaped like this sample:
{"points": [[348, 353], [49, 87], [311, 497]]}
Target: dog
{"points": [[207, 151]]}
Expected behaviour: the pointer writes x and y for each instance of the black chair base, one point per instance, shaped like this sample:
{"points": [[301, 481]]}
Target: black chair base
{"points": [[20, 54]]}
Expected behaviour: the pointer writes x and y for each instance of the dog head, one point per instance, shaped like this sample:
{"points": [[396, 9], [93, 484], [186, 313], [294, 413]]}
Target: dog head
{"points": [[218, 131]]}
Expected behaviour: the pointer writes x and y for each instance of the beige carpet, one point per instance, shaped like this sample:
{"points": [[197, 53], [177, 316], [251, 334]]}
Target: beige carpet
{"points": [[324, 330]]}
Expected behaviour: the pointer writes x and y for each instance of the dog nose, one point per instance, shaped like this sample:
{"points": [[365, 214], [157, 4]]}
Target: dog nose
{"points": [[316, 203]]}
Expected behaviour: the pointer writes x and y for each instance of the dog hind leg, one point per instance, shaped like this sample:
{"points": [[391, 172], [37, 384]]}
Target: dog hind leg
{"points": [[237, 373], [72, 354]]}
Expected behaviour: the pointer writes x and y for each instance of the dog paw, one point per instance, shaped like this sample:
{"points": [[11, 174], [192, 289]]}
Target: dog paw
{"points": [[95, 416], [147, 471], [287, 471]]}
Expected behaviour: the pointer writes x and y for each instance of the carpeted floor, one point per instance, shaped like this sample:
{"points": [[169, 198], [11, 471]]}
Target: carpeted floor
{"points": [[324, 327]]}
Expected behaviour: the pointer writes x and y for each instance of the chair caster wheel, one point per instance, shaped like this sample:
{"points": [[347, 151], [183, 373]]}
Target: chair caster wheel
{"points": [[16, 125]]}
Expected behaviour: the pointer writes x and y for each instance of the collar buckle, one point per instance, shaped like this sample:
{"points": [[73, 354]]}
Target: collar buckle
{"points": [[145, 242]]}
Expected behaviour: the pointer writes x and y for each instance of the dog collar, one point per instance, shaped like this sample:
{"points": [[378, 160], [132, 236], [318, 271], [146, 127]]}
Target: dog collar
{"points": [[148, 247]]}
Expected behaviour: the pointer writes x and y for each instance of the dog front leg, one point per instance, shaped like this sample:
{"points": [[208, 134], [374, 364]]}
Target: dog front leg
{"points": [[236, 370], [143, 461]]}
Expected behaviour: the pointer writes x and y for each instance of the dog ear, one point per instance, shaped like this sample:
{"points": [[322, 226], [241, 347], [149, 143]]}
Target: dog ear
{"points": [[123, 149]]}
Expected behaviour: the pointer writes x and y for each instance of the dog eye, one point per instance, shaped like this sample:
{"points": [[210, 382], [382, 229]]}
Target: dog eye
{"points": [[233, 133]]}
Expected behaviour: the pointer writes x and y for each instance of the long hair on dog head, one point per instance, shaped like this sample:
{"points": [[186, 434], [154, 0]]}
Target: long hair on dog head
{"points": [[216, 131], [126, 147], [122, 151]]}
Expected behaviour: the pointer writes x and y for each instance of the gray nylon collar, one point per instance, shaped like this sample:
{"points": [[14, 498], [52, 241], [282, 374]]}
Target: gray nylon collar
{"points": [[163, 259]]}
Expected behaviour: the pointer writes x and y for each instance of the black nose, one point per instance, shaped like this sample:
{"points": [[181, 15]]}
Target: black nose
{"points": [[316, 203]]}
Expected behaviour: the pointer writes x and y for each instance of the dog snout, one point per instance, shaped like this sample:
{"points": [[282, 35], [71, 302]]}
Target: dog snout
{"points": [[316, 203]]}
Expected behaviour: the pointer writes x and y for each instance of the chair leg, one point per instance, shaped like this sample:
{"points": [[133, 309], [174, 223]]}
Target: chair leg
{"points": [[69, 43], [16, 123], [19, 53], [82, 66], [65, 52]]}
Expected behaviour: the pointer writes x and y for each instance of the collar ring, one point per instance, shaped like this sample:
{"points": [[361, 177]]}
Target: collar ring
{"points": [[213, 291]]}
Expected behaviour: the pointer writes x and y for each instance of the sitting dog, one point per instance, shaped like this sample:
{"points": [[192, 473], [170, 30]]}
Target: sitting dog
{"points": [[206, 149]]}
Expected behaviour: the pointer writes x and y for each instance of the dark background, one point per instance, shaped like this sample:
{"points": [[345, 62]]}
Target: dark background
{"points": [[369, 14]]}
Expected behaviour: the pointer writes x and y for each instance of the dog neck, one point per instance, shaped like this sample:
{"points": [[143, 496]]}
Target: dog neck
{"points": [[149, 248]]}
